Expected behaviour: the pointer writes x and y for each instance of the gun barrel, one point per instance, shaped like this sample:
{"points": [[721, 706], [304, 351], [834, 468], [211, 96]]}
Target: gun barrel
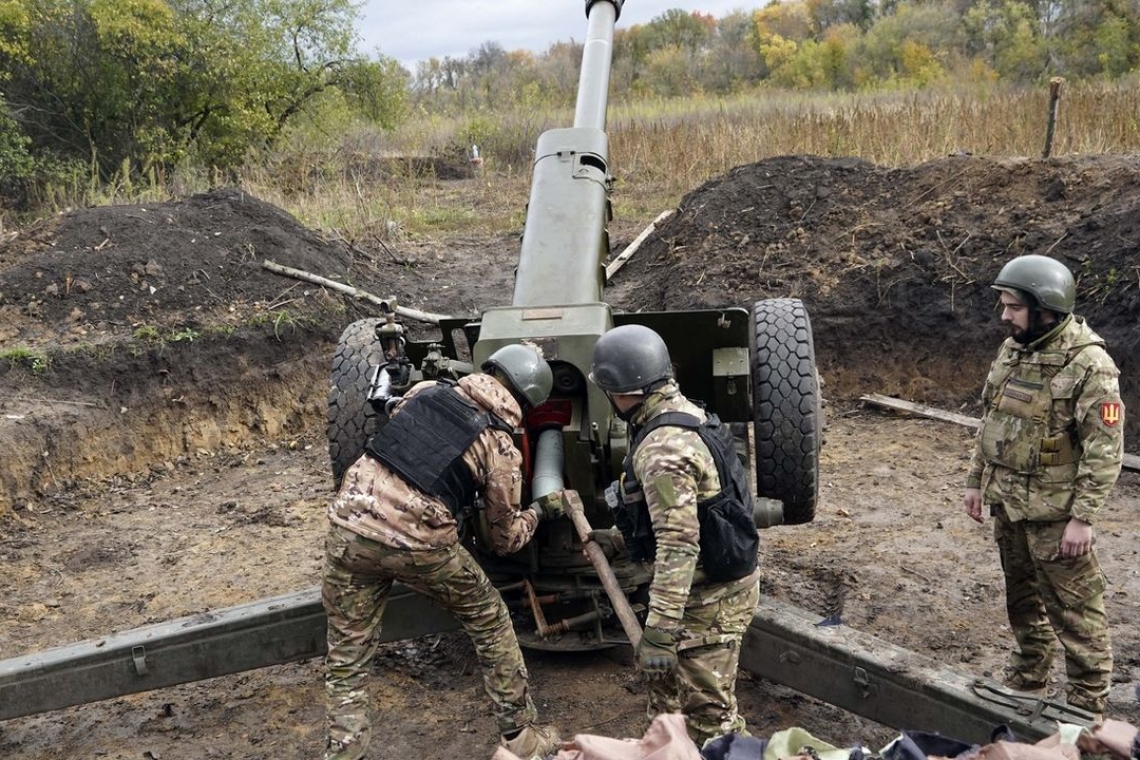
{"points": [[565, 238], [597, 58]]}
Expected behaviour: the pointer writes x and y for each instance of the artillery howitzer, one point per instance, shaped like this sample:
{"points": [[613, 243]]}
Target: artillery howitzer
{"points": [[754, 367]]}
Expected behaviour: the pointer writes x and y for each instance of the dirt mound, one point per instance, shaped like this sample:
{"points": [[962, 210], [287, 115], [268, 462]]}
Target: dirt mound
{"points": [[141, 334], [894, 265], [191, 264]]}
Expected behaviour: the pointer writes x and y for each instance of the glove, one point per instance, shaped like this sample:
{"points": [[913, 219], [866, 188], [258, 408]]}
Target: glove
{"points": [[657, 653], [610, 540], [549, 506]]}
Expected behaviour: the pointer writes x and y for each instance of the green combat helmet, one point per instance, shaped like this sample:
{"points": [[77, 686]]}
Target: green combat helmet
{"points": [[1049, 282], [527, 373]]}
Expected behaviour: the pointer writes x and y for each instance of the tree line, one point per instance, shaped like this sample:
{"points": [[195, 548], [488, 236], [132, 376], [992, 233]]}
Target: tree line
{"points": [[818, 45], [127, 90]]}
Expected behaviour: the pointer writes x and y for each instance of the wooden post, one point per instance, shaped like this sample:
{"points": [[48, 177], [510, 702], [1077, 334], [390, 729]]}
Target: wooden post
{"points": [[1131, 461], [1054, 98]]}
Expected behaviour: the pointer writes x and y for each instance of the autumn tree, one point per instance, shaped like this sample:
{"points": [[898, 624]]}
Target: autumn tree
{"points": [[910, 47], [732, 62], [1005, 36], [152, 83]]}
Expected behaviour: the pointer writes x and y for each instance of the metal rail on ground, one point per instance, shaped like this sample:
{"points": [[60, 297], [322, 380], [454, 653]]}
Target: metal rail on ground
{"points": [[281, 629], [898, 688], [853, 670]]}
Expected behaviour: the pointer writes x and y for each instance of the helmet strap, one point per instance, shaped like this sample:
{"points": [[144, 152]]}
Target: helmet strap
{"points": [[629, 413]]}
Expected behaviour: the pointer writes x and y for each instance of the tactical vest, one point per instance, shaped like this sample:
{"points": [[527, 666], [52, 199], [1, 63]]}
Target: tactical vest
{"points": [[1015, 428], [729, 541], [424, 444]]}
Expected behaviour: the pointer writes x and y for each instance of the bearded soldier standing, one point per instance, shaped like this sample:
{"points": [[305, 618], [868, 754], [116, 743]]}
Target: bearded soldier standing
{"points": [[1048, 452], [685, 504], [394, 519]]}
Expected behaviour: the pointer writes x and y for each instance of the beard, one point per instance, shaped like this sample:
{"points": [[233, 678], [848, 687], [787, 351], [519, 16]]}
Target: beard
{"points": [[1036, 330]]}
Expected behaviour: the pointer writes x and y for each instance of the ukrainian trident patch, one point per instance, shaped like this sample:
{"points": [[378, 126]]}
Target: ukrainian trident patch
{"points": [[1110, 413]]}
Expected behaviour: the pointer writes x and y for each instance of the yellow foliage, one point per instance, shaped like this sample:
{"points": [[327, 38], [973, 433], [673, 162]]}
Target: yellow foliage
{"points": [[15, 22], [918, 64], [134, 25], [777, 51], [789, 20], [981, 73]]}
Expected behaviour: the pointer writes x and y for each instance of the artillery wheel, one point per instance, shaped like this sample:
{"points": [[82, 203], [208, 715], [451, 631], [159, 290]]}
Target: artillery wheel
{"points": [[787, 417], [351, 419]]}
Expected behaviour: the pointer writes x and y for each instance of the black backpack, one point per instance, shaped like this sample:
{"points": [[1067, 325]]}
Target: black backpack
{"points": [[729, 541]]}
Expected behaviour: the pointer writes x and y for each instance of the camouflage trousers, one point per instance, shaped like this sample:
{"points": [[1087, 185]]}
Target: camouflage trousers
{"points": [[703, 687], [1048, 598], [358, 576]]}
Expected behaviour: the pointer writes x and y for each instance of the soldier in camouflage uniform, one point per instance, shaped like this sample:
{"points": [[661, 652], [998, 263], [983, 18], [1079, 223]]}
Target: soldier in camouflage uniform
{"points": [[690, 647], [394, 520], [1048, 452]]}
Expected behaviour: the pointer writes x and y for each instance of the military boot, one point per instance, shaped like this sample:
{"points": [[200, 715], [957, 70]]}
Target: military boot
{"points": [[1015, 681], [1095, 707], [534, 742]]}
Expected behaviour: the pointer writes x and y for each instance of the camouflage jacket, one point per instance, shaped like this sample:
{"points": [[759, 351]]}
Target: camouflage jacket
{"points": [[676, 471], [1051, 441], [376, 503]]}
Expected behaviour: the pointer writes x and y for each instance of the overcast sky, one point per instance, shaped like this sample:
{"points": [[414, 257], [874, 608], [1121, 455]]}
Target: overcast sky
{"points": [[413, 30]]}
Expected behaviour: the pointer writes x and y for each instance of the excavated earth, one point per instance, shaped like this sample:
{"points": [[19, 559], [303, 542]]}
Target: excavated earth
{"points": [[162, 406]]}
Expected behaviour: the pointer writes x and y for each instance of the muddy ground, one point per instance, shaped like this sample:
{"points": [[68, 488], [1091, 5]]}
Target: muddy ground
{"points": [[162, 420]]}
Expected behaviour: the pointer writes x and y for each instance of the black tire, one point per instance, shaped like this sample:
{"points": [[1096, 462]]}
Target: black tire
{"points": [[786, 407], [351, 419]]}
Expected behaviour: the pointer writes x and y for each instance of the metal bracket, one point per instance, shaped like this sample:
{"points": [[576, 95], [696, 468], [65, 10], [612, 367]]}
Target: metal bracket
{"points": [[138, 656], [790, 656], [863, 680]]}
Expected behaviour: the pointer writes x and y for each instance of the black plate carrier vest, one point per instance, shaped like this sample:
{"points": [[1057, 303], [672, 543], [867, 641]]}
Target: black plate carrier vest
{"points": [[729, 541], [424, 444]]}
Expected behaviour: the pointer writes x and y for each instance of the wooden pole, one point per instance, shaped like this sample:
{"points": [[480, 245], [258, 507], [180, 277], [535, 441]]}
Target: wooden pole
{"points": [[597, 557], [1054, 98], [619, 260], [383, 303]]}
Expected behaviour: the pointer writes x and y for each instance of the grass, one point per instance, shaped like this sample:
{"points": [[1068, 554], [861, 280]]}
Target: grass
{"points": [[281, 319], [21, 356], [661, 150], [352, 185], [153, 336]]}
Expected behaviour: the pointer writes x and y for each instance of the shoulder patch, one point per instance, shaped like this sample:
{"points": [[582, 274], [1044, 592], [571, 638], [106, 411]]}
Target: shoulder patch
{"points": [[1110, 413]]}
